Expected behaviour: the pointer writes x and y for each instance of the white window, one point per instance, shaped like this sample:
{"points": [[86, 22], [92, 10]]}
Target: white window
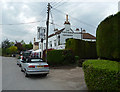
{"points": [[44, 45], [55, 43], [50, 44]]}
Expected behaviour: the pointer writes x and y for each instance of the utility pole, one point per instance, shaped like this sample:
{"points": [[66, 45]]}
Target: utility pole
{"points": [[47, 23], [81, 34]]}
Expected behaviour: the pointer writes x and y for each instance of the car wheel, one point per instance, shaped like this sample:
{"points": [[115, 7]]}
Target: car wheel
{"points": [[22, 70], [26, 75], [44, 75], [19, 65]]}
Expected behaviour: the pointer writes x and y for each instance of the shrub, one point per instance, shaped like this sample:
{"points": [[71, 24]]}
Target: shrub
{"points": [[83, 49], [60, 57], [108, 38], [102, 74]]}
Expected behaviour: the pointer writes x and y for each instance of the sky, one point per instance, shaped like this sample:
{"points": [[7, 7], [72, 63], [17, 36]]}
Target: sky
{"points": [[82, 14]]}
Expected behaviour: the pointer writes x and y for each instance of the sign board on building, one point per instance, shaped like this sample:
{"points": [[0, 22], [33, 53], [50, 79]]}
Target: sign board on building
{"points": [[41, 32]]}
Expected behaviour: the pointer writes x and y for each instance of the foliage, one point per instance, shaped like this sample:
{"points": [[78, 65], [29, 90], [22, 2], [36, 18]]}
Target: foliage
{"points": [[22, 42], [12, 50], [11, 47], [108, 38], [44, 53], [6, 44], [60, 57], [19, 46], [27, 46], [83, 49], [102, 74]]}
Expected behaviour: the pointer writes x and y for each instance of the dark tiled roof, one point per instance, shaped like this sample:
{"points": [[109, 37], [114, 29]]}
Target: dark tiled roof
{"points": [[85, 35], [58, 32], [88, 36]]}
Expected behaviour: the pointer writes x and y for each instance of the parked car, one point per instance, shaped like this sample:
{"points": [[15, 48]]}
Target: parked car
{"points": [[34, 66], [23, 56], [13, 55]]}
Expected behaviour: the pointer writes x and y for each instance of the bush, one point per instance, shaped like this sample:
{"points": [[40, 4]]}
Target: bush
{"points": [[108, 38], [83, 49], [60, 57], [102, 74]]}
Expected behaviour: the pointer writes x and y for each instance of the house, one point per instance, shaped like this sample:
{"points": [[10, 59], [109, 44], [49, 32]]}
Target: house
{"points": [[119, 6], [35, 45], [57, 40]]}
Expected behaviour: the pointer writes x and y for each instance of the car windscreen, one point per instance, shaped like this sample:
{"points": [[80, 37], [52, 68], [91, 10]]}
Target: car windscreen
{"points": [[26, 54]]}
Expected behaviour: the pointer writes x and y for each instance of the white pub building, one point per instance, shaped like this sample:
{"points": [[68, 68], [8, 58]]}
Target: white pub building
{"points": [[57, 40]]}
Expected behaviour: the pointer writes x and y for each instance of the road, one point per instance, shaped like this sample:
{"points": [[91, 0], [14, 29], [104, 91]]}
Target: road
{"points": [[58, 79]]}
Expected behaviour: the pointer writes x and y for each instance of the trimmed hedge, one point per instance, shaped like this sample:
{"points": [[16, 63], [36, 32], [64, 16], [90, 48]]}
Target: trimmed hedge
{"points": [[83, 49], [102, 74], [108, 38], [60, 57]]}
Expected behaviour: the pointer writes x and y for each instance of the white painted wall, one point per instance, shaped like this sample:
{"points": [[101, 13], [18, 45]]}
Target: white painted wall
{"points": [[66, 35], [119, 6]]}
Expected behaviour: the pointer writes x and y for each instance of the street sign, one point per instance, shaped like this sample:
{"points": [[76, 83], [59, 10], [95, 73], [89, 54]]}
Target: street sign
{"points": [[41, 32]]}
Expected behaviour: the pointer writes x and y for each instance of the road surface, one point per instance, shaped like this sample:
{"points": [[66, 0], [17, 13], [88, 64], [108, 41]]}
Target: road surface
{"points": [[58, 79]]}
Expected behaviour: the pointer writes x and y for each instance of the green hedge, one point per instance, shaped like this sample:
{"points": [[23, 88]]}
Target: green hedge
{"points": [[108, 38], [83, 49], [60, 57], [102, 74]]}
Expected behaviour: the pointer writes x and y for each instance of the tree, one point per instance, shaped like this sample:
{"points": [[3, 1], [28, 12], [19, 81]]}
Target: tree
{"points": [[22, 42], [6, 44], [12, 50], [19, 46], [28, 46]]}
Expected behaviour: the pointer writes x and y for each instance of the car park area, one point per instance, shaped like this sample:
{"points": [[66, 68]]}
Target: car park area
{"points": [[64, 78]]}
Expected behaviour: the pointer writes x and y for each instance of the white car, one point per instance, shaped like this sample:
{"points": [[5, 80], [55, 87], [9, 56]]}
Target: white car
{"points": [[34, 66]]}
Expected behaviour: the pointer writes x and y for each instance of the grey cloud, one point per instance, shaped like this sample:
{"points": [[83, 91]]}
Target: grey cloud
{"points": [[91, 13]]}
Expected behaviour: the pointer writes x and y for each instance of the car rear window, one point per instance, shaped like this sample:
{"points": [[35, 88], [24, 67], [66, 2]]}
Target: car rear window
{"points": [[36, 60]]}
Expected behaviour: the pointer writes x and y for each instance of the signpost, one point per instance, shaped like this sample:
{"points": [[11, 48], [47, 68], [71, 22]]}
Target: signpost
{"points": [[41, 36]]}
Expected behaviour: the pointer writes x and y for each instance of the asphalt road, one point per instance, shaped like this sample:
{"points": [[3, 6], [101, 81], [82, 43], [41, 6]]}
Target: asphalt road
{"points": [[58, 79]]}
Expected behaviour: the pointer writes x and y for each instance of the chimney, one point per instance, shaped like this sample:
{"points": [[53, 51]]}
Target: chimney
{"points": [[67, 18], [77, 29], [34, 40], [67, 22], [83, 31]]}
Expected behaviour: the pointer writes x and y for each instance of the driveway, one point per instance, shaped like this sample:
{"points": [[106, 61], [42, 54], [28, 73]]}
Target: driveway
{"points": [[67, 78]]}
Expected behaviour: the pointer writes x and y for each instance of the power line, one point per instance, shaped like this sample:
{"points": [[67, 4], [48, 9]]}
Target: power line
{"points": [[24, 23], [75, 18], [57, 3], [60, 5]]}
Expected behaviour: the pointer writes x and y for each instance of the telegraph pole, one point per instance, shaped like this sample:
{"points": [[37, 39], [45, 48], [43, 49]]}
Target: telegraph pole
{"points": [[81, 34], [47, 23]]}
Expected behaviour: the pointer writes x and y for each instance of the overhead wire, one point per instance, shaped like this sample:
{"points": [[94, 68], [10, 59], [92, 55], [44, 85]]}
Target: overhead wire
{"points": [[24, 23], [60, 5], [75, 18]]}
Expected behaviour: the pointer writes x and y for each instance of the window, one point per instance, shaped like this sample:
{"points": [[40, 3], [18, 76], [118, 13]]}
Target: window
{"points": [[59, 40], [44, 45], [55, 43], [50, 44]]}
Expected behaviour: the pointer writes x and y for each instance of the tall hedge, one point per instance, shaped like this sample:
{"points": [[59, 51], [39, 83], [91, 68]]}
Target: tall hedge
{"points": [[108, 38], [83, 49], [102, 75], [60, 57]]}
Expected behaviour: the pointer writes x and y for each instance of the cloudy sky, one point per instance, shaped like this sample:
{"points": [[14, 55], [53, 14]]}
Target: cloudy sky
{"points": [[19, 20]]}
